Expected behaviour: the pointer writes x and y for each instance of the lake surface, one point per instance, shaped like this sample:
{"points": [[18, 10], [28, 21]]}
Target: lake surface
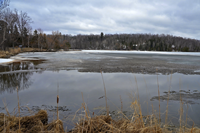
{"points": [[40, 77]]}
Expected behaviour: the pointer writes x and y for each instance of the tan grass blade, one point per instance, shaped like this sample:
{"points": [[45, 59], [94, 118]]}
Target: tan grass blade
{"points": [[107, 109]]}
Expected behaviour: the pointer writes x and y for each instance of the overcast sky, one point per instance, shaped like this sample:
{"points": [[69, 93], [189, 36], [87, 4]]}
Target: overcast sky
{"points": [[175, 17]]}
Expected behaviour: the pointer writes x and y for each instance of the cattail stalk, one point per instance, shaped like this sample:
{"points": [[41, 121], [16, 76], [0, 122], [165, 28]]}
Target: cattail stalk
{"points": [[18, 110], [57, 107], [107, 110]]}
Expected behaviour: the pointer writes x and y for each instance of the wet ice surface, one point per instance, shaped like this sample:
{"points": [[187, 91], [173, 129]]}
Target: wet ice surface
{"points": [[61, 60], [75, 55], [117, 61], [38, 81], [143, 52]]}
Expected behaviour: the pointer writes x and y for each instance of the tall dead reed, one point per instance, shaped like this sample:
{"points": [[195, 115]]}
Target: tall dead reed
{"points": [[158, 98], [107, 109], [181, 107], [121, 104], [57, 101], [137, 103], [18, 110], [166, 115]]}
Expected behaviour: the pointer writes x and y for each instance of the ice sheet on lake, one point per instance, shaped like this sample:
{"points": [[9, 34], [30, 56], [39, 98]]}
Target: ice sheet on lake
{"points": [[143, 52], [19, 58], [5, 60]]}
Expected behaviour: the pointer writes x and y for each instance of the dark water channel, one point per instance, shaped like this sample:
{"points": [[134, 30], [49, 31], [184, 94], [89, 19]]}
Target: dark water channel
{"points": [[38, 89]]}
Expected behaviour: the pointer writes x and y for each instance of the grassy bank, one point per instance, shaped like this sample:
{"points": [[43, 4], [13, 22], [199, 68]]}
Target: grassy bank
{"points": [[88, 122], [11, 52], [91, 123]]}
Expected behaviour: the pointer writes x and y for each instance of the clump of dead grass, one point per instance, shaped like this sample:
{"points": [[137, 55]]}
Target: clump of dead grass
{"points": [[33, 50], [104, 124], [29, 124], [137, 124], [10, 123], [14, 51]]}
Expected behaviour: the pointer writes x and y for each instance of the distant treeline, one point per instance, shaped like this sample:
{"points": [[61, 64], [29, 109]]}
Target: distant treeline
{"points": [[149, 42], [133, 42]]}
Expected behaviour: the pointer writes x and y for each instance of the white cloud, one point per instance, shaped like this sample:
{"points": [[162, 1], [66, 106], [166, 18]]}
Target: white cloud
{"points": [[180, 17]]}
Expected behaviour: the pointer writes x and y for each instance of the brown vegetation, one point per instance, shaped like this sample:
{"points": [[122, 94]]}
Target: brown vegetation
{"points": [[11, 52], [92, 123], [29, 124], [136, 124]]}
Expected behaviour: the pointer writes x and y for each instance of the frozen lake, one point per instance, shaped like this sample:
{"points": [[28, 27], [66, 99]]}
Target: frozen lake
{"points": [[41, 76]]}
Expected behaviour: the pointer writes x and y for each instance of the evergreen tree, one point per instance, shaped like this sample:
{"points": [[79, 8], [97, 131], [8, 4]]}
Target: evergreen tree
{"points": [[101, 36], [35, 33]]}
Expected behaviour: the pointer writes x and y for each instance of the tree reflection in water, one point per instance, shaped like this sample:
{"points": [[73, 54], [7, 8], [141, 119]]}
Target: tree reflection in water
{"points": [[17, 74]]}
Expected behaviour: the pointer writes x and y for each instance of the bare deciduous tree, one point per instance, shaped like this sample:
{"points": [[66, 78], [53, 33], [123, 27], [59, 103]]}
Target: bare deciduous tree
{"points": [[29, 28], [23, 21], [53, 40], [11, 18]]}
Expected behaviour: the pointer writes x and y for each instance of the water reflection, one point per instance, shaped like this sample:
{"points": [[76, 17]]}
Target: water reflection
{"points": [[17, 66], [17, 74], [9, 82]]}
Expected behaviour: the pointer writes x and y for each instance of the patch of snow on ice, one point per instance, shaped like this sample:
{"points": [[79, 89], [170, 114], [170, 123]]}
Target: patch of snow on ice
{"points": [[142, 52], [5, 60]]}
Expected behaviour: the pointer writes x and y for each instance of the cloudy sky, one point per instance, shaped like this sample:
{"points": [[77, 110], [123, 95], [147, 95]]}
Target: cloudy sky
{"points": [[175, 17]]}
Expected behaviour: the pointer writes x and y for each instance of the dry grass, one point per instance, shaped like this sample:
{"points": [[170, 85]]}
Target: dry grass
{"points": [[137, 124], [105, 124], [92, 123], [33, 50], [107, 109], [11, 52], [11, 123], [30, 124], [18, 111]]}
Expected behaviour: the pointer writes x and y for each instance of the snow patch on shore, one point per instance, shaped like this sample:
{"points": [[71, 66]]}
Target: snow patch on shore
{"points": [[197, 71], [5, 60]]}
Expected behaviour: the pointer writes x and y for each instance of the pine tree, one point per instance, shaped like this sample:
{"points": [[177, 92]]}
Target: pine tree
{"points": [[101, 36]]}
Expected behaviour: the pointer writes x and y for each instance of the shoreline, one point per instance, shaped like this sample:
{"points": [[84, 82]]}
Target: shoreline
{"points": [[12, 52]]}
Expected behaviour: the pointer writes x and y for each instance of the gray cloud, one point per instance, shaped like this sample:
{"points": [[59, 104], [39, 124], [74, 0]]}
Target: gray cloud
{"points": [[179, 18]]}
